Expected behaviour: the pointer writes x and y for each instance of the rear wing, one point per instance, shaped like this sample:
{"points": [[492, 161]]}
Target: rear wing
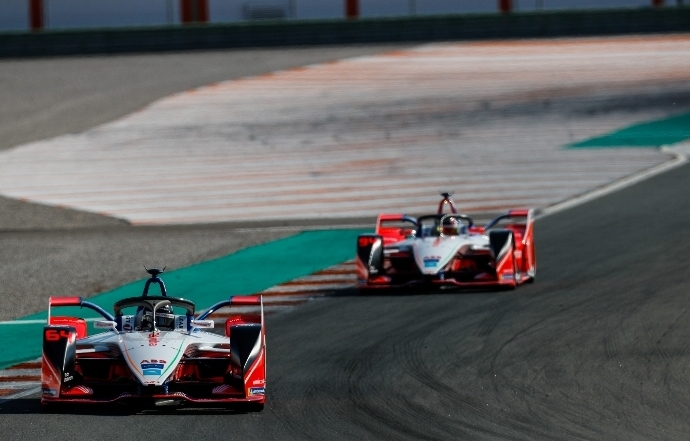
{"points": [[397, 232], [76, 301]]}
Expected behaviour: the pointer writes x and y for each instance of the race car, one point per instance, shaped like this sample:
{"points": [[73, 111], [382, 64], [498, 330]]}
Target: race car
{"points": [[447, 249], [154, 351]]}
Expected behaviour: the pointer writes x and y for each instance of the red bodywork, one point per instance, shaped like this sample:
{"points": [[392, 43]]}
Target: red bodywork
{"points": [[380, 262]]}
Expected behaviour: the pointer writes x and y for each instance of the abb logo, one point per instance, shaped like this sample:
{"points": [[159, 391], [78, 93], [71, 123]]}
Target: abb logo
{"points": [[55, 335], [365, 241]]}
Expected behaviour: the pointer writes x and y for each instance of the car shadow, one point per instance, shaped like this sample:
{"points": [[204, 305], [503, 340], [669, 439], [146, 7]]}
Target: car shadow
{"points": [[415, 291], [29, 406]]}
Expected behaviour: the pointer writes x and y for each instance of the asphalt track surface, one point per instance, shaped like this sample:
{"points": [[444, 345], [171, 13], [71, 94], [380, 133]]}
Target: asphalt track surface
{"points": [[597, 348]]}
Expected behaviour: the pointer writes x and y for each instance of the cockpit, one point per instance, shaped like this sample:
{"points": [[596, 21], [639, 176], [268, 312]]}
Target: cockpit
{"points": [[153, 313], [439, 225]]}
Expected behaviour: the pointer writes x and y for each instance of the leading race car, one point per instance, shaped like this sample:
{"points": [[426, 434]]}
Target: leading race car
{"points": [[447, 249], [155, 356]]}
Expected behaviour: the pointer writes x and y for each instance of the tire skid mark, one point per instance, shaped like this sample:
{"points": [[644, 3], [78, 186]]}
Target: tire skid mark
{"points": [[655, 342], [393, 411], [487, 325], [612, 348]]}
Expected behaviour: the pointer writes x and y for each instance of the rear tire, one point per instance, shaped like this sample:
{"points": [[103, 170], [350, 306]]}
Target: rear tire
{"points": [[256, 407], [364, 291], [49, 408], [249, 407]]}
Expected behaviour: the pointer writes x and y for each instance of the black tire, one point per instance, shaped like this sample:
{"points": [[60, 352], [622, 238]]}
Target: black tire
{"points": [[248, 407], [364, 291], [256, 407], [49, 408]]}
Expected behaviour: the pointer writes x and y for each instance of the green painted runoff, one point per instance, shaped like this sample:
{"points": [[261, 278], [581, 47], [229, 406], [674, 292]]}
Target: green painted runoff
{"points": [[244, 272], [650, 134]]}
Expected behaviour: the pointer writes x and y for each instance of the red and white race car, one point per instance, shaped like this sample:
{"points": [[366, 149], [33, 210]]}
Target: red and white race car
{"points": [[447, 249], [159, 353]]}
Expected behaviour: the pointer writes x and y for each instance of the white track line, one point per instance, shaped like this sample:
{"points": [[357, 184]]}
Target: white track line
{"points": [[679, 159]]}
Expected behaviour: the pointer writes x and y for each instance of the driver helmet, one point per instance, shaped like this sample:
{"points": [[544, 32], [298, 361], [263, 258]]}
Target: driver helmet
{"points": [[165, 319], [450, 226]]}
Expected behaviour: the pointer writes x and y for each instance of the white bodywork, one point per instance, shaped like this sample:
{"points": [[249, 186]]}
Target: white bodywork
{"points": [[432, 254], [153, 356]]}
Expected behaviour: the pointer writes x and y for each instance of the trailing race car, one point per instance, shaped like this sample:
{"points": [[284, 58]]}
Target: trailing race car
{"points": [[155, 356], [447, 249]]}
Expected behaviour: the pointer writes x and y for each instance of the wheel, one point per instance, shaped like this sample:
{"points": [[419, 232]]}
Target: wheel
{"points": [[255, 407], [364, 291], [50, 407], [249, 407]]}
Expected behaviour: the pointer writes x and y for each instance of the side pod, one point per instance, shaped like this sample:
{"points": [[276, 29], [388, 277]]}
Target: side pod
{"points": [[58, 362], [369, 260], [500, 242], [502, 247], [247, 358]]}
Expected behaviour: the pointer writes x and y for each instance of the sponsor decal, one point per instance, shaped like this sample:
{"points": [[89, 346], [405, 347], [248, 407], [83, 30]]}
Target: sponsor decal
{"points": [[48, 378], [255, 382], [68, 377], [518, 254], [152, 367], [51, 392], [431, 261], [127, 327], [153, 339], [55, 335], [181, 322], [257, 391], [507, 277]]}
